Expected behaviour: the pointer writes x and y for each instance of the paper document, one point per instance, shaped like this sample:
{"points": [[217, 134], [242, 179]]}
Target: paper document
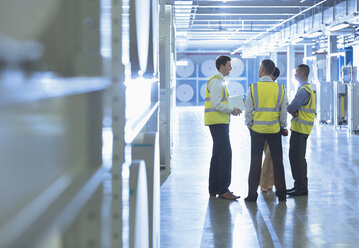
{"points": [[236, 101]]}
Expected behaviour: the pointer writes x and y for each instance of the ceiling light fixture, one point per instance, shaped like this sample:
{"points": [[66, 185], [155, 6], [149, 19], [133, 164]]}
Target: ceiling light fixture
{"points": [[339, 26], [315, 34], [296, 40], [236, 50]]}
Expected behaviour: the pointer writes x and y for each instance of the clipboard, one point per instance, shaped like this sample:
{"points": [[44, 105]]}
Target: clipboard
{"points": [[236, 101]]}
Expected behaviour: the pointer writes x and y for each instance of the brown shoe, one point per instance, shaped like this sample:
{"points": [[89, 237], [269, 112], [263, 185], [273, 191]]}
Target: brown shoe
{"points": [[229, 196], [265, 190], [213, 193]]}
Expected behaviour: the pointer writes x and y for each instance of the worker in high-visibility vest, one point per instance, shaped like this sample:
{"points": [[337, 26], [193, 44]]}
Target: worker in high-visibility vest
{"points": [[217, 116], [267, 175], [302, 108], [266, 115]]}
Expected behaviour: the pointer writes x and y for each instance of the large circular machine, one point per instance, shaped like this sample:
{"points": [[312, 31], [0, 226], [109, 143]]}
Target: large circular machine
{"points": [[202, 91], [184, 92], [235, 88], [185, 70], [139, 34], [208, 68], [237, 67]]}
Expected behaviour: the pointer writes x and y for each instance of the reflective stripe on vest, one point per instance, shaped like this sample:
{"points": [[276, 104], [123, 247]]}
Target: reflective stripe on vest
{"points": [[266, 118], [310, 111], [256, 99], [212, 116], [308, 123], [268, 123], [306, 114]]}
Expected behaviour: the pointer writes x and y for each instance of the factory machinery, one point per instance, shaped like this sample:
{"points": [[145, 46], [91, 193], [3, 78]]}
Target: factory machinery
{"points": [[338, 98]]}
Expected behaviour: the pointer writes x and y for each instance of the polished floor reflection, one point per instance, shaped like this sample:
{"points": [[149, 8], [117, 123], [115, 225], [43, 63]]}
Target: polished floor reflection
{"points": [[327, 217]]}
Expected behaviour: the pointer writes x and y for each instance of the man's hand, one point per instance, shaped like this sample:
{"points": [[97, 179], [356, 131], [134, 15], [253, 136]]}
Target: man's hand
{"points": [[236, 111], [284, 131], [295, 114]]}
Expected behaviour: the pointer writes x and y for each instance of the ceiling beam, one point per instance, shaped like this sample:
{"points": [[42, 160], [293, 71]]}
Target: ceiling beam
{"points": [[254, 11], [274, 4], [234, 18], [235, 14]]}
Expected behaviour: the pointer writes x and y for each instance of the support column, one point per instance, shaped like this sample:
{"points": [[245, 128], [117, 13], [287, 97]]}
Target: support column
{"points": [[167, 59], [332, 76], [332, 62], [274, 57], [308, 50], [119, 226], [291, 84]]}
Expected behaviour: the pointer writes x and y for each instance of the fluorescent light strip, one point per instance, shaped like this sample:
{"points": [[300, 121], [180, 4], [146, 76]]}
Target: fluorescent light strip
{"points": [[339, 26], [299, 39], [315, 34], [246, 20], [243, 14], [242, 7], [229, 25], [189, 36], [211, 30], [230, 41], [220, 32]]}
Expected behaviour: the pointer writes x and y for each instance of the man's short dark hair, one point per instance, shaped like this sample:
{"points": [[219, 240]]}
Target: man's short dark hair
{"points": [[276, 72], [268, 66], [305, 69], [222, 60]]}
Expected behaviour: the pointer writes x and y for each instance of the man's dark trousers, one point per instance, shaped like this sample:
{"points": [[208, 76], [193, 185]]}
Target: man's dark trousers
{"points": [[298, 164], [221, 162], [275, 147]]}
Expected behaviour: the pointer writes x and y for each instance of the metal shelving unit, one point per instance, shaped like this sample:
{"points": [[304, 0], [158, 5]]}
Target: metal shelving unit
{"points": [[59, 189], [51, 156], [131, 67]]}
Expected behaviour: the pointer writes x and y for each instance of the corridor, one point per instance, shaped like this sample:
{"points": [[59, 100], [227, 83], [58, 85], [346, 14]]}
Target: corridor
{"points": [[327, 217]]}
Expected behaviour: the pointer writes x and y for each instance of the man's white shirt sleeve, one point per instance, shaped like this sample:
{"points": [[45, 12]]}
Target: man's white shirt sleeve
{"points": [[249, 109], [283, 110], [216, 95]]}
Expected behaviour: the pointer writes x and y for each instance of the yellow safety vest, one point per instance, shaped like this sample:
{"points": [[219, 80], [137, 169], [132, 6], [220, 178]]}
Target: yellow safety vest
{"points": [[212, 116], [306, 114], [267, 97]]}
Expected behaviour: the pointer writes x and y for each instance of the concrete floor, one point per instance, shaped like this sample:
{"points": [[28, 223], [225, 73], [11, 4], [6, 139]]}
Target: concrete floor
{"points": [[327, 217]]}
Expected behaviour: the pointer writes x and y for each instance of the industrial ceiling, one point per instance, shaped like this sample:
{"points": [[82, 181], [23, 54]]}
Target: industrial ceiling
{"points": [[231, 26]]}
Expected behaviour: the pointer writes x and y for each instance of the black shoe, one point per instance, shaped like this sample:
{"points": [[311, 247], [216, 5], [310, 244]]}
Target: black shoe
{"points": [[282, 198], [291, 190], [250, 199], [298, 193]]}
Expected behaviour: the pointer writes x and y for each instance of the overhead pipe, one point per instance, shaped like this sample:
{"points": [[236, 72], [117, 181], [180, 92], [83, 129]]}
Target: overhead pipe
{"points": [[287, 20]]}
